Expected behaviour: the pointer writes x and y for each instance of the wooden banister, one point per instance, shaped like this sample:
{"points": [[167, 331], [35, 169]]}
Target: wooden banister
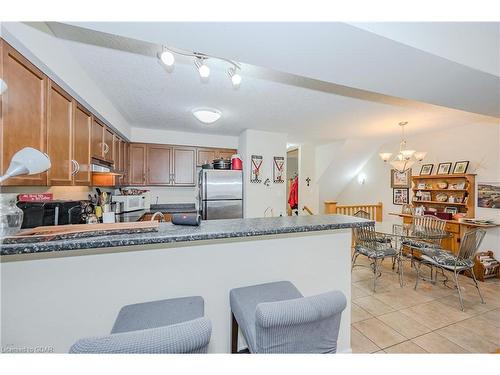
{"points": [[375, 210]]}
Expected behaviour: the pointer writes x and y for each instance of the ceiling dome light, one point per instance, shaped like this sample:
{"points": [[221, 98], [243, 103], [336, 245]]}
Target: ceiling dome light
{"points": [[207, 116], [235, 77], [203, 69], [167, 58]]}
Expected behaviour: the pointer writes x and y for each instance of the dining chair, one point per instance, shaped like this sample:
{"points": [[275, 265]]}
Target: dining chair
{"points": [[428, 222], [374, 247], [462, 261]]}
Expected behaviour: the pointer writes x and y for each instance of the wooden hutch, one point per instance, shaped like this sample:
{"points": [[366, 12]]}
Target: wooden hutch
{"points": [[434, 192]]}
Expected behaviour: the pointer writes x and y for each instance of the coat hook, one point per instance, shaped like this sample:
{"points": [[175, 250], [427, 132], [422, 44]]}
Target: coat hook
{"points": [[308, 180]]}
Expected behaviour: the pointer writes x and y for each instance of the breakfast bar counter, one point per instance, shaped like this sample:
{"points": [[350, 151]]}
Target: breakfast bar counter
{"points": [[55, 292]]}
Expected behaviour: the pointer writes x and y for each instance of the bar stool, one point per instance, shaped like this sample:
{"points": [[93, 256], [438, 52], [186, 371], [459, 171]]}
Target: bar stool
{"points": [[276, 318], [165, 326]]}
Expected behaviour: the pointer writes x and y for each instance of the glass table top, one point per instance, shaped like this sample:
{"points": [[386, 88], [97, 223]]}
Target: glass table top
{"points": [[410, 231]]}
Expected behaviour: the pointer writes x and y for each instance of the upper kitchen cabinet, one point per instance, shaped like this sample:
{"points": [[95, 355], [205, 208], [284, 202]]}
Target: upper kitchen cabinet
{"points": [[109, 145], [183, 166], [208, 155], [159, 160], [81, 146], [60, 107], [97, 141], [23, 111], [137, 161]]}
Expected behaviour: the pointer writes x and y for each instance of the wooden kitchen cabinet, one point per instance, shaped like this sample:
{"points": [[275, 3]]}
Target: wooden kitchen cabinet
{"points": [[97, 144], [60, 107], [126, 164], [23, 118], [183, 166], [159, 161], [137, 170], [109, 145], [206, 154], [81, 146]]}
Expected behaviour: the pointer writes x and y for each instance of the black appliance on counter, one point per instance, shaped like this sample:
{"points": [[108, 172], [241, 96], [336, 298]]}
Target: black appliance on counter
{"points": [[44, 213]]}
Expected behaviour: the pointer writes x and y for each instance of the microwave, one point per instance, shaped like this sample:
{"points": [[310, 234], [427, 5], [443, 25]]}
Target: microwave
{"points": [[131, 202]]}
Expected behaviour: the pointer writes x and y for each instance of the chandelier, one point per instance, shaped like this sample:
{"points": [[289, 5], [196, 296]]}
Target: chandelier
{"points": [[406, 157]]}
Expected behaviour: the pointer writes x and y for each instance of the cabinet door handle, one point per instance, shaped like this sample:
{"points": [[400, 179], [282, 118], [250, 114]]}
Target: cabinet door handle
{"points": [[75, 168], [106, 147]]}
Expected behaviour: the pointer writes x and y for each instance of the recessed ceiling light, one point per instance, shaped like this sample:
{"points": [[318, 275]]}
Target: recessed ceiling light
{"points": [[207, 116]]}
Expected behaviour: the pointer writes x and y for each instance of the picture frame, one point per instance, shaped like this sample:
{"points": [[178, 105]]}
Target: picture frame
{"points": [[425, 196], [279, 169], [400, 179], [461, 167], [426, 169], [400, 196], [444, 168], [451, 210]]}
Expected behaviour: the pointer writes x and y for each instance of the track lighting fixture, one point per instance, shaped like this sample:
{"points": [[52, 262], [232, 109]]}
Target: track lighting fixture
{"points": [[167, 57]]}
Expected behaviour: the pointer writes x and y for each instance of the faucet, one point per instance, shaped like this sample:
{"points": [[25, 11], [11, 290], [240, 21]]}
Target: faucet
{"points": [[158, 213]]}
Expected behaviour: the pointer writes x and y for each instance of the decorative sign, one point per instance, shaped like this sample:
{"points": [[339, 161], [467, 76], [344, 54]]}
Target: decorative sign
{"points": [[278, 169], [488, 195], [256, 169], [36, 197]]}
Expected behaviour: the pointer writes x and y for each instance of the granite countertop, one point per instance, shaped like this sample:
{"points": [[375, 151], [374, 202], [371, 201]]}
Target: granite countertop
{"points": [[208, 230]]}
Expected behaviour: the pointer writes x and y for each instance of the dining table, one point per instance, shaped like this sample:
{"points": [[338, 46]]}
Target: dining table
{"points": [[398, 233]]}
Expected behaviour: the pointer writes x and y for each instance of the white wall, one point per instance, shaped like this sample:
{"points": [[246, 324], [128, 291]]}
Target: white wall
{"points": [[479, 143], [308, 195], [258, 197], [183, 138], [183, 194], [42, 47]]}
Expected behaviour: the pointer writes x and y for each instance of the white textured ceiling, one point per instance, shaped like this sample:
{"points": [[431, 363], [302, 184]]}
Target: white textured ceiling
{"points": [[150, 97], [474, 44]]}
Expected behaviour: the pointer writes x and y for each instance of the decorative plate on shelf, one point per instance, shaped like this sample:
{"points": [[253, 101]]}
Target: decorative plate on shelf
{"points": [[442, 185], [442, 197]]}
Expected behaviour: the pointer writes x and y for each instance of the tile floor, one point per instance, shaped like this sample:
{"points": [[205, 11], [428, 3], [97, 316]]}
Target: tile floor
{"points": [[428, 320]]}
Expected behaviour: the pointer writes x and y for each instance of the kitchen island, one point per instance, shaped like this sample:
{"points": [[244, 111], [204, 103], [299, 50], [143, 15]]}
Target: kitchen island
{"points": [[54, 293]]}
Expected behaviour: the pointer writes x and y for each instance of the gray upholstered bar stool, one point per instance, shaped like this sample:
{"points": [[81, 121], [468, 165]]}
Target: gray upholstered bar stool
{"points": [[276, 318], [166, 326]]}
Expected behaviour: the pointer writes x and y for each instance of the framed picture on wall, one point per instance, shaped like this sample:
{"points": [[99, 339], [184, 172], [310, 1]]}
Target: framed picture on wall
{"points": [[426, 169], [444, 168], [460, 167], [400, 179], [400, 196]]}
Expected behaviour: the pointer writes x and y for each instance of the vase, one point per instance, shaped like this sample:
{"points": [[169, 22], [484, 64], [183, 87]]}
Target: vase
{"points": [[11, 216]]}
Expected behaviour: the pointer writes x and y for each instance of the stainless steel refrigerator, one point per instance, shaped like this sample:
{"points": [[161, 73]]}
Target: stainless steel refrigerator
{"points": [[220, 194]]}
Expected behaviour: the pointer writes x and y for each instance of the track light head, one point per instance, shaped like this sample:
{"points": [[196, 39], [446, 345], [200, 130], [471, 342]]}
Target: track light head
{"points": [[203, 69], [235, 77], [167, 58]]}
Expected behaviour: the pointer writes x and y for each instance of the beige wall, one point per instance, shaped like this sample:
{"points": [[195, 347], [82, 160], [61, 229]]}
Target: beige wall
{"points": [[480, 144]]}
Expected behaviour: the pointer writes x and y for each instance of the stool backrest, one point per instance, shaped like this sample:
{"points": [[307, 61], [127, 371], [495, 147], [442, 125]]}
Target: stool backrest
{"points": [[470, 242], [301, 325]]}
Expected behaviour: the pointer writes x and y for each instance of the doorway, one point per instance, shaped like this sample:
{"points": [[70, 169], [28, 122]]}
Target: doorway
{"points": [[292, 174]]}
